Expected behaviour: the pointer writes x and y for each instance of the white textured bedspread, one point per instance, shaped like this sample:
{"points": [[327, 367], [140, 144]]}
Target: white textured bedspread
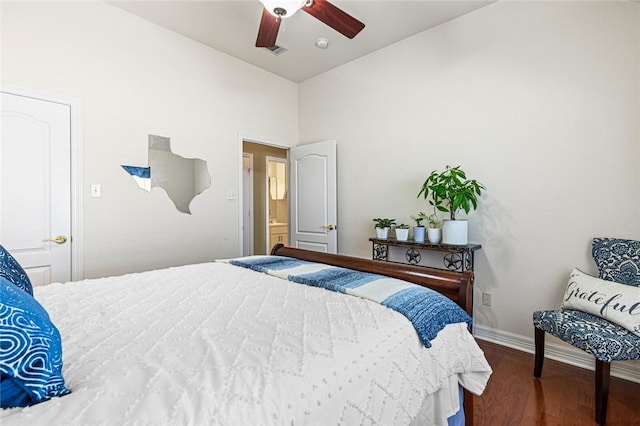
{"points": [[215, 344]]}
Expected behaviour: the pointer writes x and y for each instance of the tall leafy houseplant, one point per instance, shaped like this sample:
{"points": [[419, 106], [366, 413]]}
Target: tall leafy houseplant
{"points": [[451, 191]]}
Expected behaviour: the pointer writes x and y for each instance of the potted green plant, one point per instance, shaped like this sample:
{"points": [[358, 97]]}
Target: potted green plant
{"points": [[382, 227], [402, 232], [450, 191], [419, 230], [434, 229]]}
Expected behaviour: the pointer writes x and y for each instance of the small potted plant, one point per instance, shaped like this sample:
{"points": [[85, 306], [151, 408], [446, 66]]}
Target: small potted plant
{"points": [[402, 232], [434, 230], [382, 227], [419, 230], [450, 191]]}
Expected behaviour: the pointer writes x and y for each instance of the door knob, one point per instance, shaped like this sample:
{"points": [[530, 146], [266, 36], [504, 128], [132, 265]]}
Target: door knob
{"points": [[329, 227], [60, 239]]}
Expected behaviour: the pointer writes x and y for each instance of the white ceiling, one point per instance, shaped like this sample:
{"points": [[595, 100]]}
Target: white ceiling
{"points": [[232, 27]]}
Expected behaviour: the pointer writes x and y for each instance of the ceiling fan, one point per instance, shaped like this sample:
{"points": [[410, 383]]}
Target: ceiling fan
{"points": [[275, 10]]}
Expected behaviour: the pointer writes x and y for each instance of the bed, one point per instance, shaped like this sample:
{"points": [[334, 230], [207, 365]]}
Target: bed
{"points": [[221, 343]]}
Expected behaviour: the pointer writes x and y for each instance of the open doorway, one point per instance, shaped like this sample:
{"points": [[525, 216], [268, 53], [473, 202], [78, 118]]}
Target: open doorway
{"points": [[277, 202], [265, 211]]}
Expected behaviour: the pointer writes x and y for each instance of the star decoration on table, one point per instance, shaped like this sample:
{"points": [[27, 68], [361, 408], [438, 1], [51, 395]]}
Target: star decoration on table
{"points": [[468, 264], [380, 251], [413, 256], [453, 261]]}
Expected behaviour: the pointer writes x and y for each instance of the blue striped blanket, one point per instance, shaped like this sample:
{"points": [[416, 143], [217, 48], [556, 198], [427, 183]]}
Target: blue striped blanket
{"points": [[428, 310]]}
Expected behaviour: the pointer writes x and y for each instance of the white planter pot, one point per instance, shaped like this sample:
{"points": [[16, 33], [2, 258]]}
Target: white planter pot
{"points": [[382, 233], [455, 232], [434, 235], [418, 234], [402, 234]]}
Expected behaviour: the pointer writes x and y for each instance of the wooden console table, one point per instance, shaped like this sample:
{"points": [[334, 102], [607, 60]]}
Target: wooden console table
{"points": [[456, 258]]}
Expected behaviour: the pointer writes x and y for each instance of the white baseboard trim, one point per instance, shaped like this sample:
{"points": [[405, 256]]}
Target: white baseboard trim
{"points": [[629, 370]]}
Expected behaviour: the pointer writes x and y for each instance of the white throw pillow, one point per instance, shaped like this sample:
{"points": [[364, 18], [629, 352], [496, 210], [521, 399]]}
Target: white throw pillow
{"points": [[618, 303]]}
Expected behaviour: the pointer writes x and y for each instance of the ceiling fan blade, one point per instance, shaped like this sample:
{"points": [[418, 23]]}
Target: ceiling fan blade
{"points": [[268, 31], [334, 17]]}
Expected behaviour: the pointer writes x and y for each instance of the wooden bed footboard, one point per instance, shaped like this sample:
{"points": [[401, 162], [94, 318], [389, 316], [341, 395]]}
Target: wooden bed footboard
{"points": [[455, 285]]}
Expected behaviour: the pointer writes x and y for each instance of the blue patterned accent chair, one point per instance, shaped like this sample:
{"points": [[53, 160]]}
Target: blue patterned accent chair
{"points": [[617, 260]]}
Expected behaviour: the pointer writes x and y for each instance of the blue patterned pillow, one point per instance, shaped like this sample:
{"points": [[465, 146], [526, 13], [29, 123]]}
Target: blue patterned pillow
{"points": [[11, 270], [617, 260], [30, 350]]}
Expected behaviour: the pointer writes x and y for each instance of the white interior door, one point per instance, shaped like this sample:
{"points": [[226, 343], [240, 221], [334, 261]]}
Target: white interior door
{"points": [[35, 186], [313, 197], [247, 203]]}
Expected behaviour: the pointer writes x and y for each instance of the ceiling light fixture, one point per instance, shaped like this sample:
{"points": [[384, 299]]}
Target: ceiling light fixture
{"points": [[284, 8]]}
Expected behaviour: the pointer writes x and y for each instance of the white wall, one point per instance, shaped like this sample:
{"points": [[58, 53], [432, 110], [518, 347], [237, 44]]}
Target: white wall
{"points": [[537, 100], [133, 79]]}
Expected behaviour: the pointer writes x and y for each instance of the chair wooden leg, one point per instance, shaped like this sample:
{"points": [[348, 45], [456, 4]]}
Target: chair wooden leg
{"points": [[602, 390], [539, 359]]}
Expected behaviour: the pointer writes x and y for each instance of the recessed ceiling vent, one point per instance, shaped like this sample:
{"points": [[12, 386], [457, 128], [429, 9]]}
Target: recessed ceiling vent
{"points": [[276, 50]]}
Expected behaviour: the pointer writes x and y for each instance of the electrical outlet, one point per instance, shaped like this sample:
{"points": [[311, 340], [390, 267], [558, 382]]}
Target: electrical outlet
{"points": [[486, 299]]}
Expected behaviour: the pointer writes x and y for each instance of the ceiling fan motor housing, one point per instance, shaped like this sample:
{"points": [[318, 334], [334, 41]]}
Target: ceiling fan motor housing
{"points": [[283, 8]]}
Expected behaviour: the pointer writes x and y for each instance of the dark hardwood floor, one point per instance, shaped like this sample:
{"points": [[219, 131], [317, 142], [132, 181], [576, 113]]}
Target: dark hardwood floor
{"points": [[563, 396]]}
